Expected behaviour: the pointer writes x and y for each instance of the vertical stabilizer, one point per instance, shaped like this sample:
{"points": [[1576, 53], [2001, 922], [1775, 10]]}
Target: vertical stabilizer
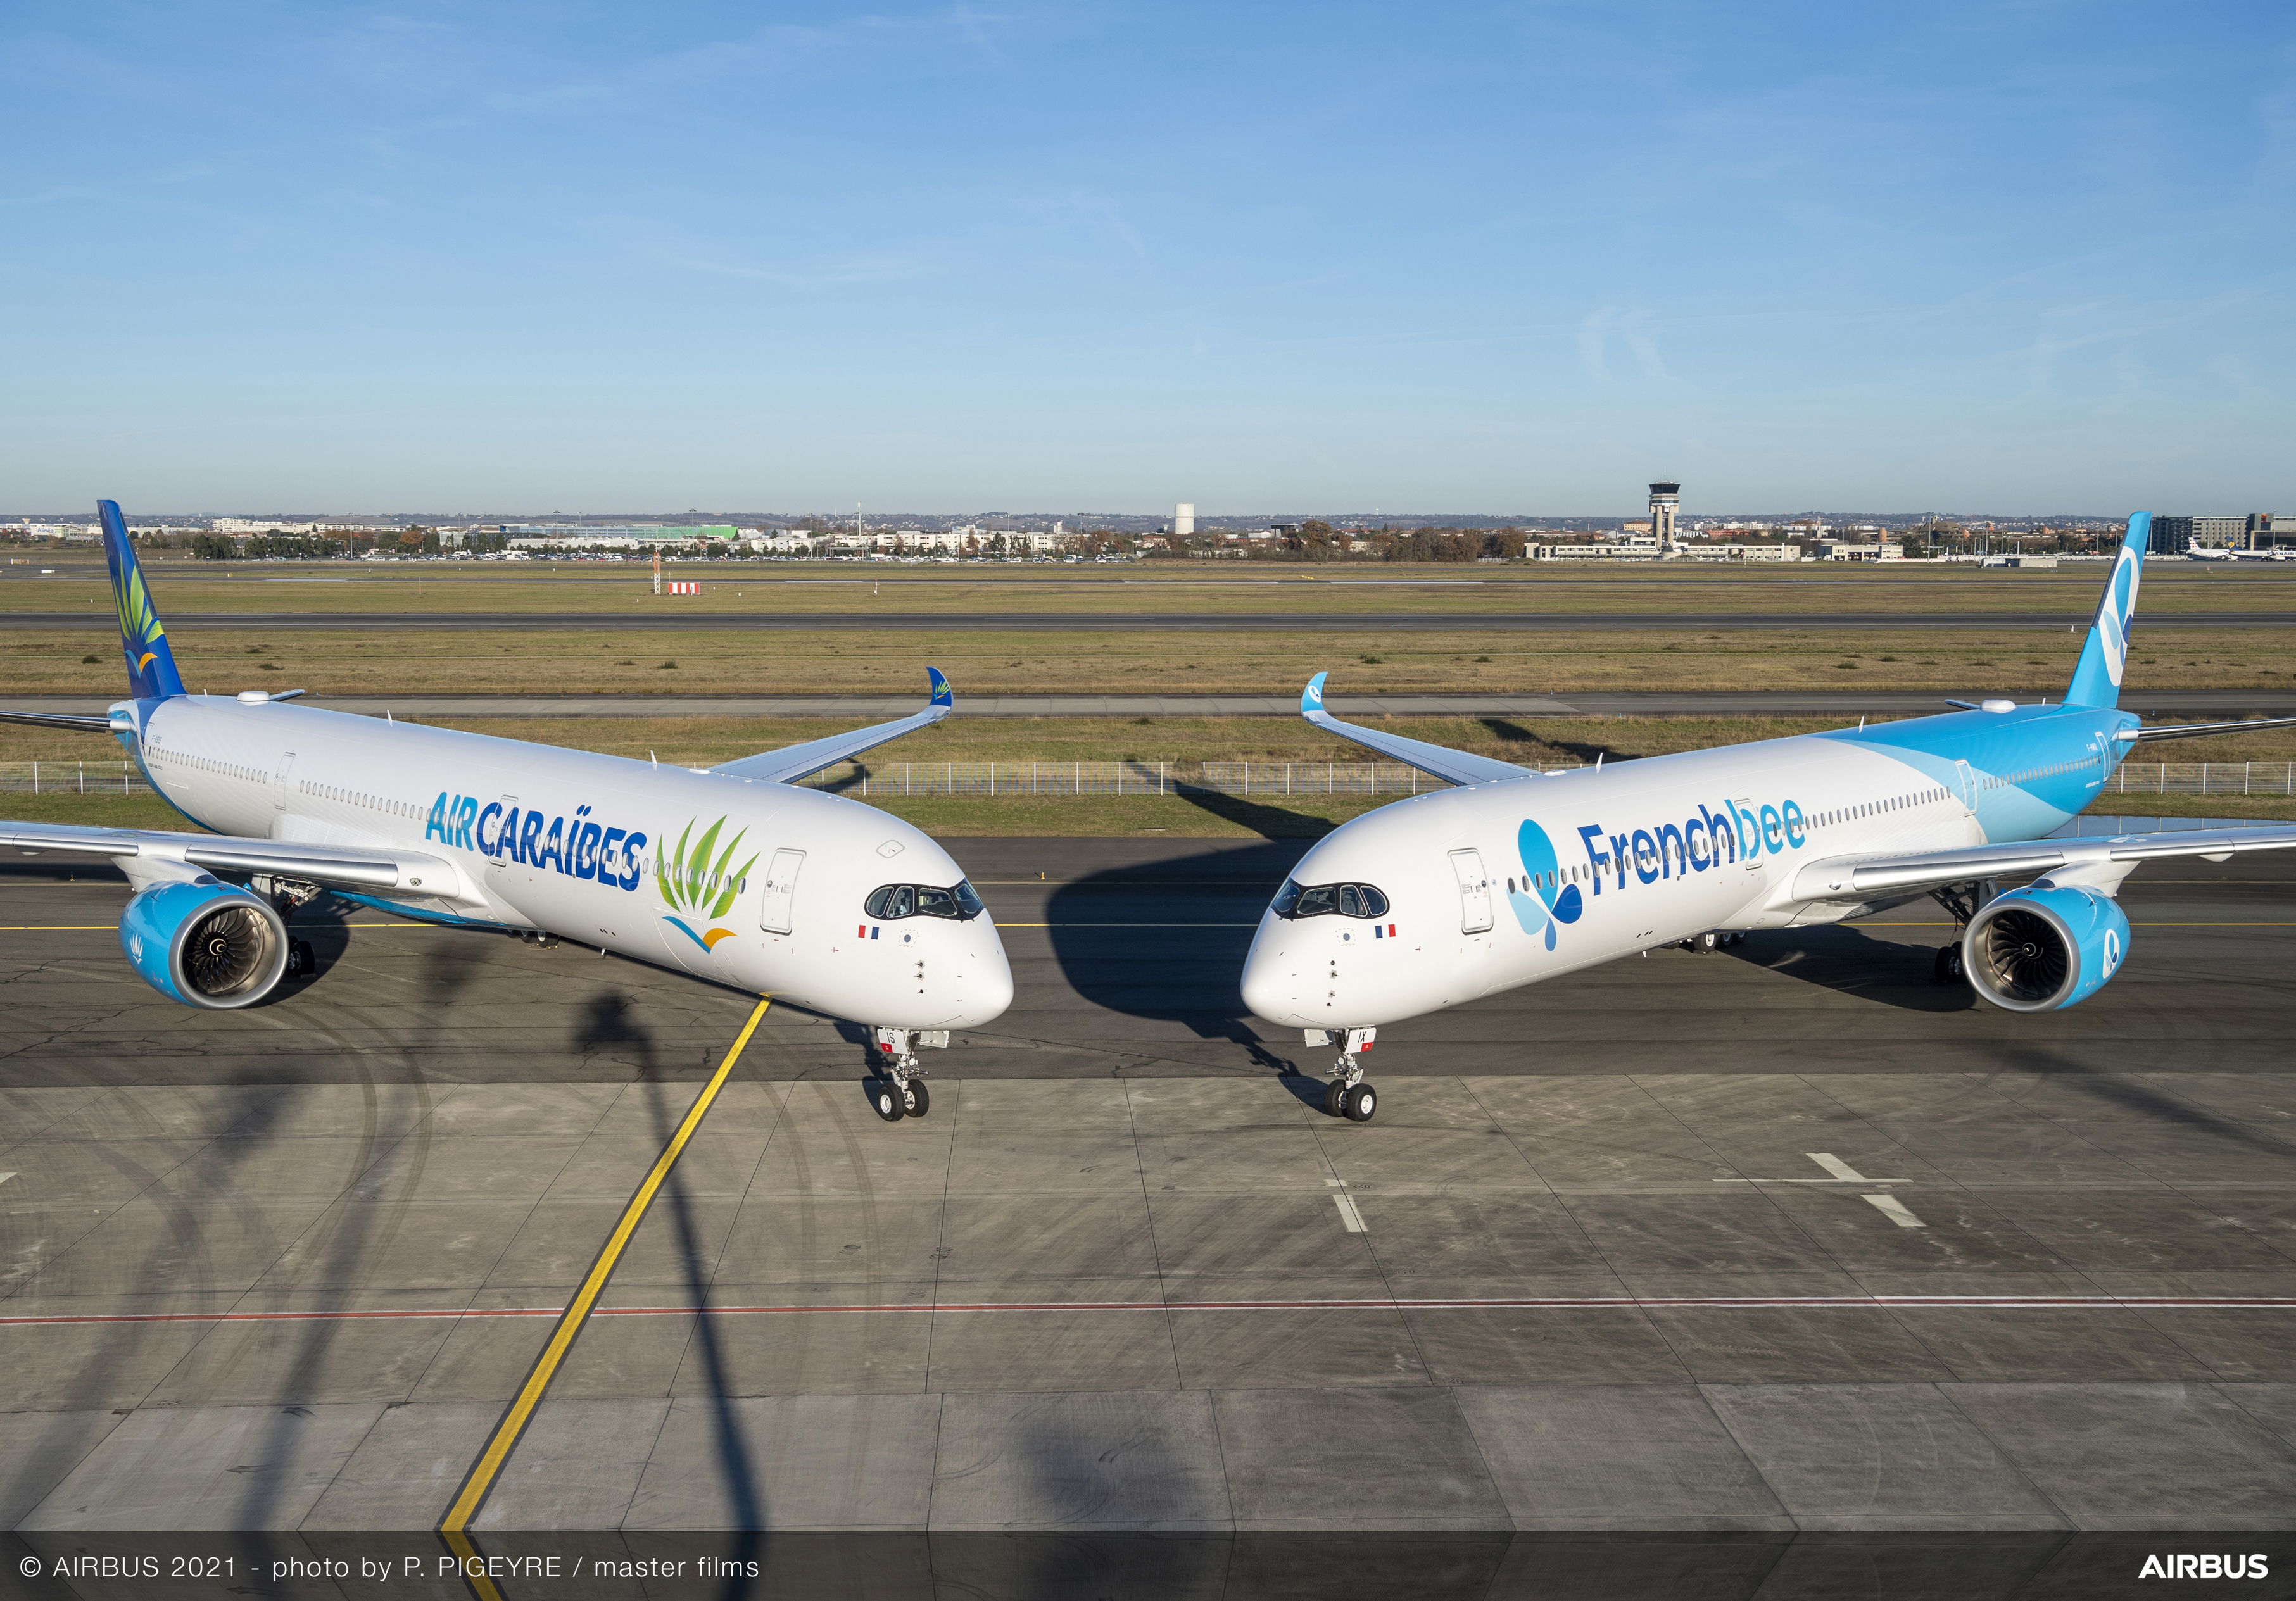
{"points": [[2097, 680], [151, 673]]}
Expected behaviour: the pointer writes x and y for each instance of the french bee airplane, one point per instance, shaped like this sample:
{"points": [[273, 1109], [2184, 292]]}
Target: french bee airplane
{"points": [[1514, 876], [732, 873]]}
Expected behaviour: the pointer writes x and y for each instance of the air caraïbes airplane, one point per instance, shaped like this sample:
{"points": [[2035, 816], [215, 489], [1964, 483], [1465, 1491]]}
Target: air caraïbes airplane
{"points": [[1514, 876], [731, 873]]}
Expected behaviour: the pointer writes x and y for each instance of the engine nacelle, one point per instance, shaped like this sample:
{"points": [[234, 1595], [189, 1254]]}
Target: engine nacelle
{"points": [[2044, 947], [205, 943]]}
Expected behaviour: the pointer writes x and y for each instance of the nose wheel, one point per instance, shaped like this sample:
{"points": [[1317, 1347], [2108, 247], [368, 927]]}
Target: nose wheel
{"points": [[898, 1091], [1348, 1096]]}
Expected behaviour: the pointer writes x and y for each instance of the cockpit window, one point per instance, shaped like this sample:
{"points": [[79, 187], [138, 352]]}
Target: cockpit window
{"points": [[889, 902], [1322, 900]]}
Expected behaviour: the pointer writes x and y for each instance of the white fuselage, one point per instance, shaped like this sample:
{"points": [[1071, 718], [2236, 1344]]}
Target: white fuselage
{"points": [[600, 850], [1508, 883]]}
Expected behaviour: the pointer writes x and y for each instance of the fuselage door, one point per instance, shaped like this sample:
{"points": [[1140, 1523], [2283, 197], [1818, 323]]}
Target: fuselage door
{"points": [[501, 857], [1966, 777], [1474, 891], [279, 782], [1748, 822], [776, 905]]}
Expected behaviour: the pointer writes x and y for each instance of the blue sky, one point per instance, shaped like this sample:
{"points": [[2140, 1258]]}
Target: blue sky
{"points": [[1068, 257]]}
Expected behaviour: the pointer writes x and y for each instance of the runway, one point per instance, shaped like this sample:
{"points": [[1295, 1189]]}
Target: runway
{"points": [[2153, 704], [668, 619], [1595, 1267]]}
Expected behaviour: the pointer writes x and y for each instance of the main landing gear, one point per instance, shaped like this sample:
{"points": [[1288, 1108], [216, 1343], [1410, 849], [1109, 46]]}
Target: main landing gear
{"points": [[1349, 1096], [1962, 901], [289, 896], [898, 1091]]}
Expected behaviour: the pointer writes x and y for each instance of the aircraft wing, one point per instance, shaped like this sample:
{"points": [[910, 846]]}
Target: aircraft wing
{"points": [[794, 762], [1452, 766], [1842, 878], [351, 867]]}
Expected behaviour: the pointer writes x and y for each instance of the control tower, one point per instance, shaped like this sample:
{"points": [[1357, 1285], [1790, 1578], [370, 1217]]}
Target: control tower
{"points": [[1664, 498]]}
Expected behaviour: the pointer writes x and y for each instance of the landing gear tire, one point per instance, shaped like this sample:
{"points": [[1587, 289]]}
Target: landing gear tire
{"points": [[1357, 1103], [1948, 968], [919, 1103], [1701, 944], [1335, 1098], [306, 960], [890, 1104]]}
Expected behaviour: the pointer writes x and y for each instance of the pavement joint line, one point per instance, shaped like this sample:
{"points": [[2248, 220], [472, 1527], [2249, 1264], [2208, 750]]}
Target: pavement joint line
{"points": [[1355, 1304], [492, 1457]]}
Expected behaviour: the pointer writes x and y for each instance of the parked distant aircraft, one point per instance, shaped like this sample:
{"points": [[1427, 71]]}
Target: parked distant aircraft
{"points": [[1514, 877], [731, 873]]}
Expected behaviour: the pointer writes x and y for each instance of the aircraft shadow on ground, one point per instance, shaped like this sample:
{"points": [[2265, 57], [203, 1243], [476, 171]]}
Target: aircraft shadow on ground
{"points": [[1166, 940], [1851, 961]]}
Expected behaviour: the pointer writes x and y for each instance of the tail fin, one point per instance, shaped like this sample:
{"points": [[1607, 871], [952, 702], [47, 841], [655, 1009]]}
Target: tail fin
{"points": [[151, 673], [2097, 680]]}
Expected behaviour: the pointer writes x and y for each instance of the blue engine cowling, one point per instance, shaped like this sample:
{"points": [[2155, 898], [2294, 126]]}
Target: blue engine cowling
{"points": [[205, 943], [2044, 947]]}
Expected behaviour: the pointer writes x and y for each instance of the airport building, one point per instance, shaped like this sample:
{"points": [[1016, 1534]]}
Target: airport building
{"points": [[2173, 535]]}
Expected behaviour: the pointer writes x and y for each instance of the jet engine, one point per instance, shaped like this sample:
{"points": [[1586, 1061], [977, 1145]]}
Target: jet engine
{"points": [[2044, 947], [205, 943]]}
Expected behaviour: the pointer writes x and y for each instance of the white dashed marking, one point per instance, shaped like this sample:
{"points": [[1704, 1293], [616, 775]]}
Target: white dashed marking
{"points": [[1887, 1205]]}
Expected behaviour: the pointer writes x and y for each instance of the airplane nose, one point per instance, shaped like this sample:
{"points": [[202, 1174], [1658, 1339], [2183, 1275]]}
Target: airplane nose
{"points": [[988, 987], [1268, 986]]}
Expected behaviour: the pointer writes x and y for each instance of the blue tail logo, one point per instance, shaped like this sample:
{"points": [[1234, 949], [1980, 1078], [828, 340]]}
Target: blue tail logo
{"points": [[2097, 680], [151, 673]]}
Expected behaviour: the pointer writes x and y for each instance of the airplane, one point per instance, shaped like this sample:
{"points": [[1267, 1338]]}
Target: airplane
{"points": [[1514, 877], [732, 873], [2211, 552]]}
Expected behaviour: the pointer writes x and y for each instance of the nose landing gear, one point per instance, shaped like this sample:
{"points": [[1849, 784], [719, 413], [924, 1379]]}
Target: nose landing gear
{"points": [[899, 1091], [1349, 1096]]}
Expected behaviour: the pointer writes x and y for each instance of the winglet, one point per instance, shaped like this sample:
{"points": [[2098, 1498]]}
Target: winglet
{"points": [[151, 673], [1311, 698], [942, 695], [2097, 680]]}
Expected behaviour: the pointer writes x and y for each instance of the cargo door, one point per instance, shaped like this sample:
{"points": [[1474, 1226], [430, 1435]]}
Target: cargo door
{"points": [[777, 905]]}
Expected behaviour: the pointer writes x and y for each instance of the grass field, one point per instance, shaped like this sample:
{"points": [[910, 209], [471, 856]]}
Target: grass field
{"points": [[86, 661], [1209, 587], [1531, 741]]}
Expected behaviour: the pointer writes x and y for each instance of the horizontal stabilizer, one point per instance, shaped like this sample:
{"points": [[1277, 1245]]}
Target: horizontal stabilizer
{"points": [[90, 723], [1452, 766], [2194, 731]]}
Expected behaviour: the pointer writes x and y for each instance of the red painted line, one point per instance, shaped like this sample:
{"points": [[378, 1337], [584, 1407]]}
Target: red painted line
{"points": [[1464, 1304]]}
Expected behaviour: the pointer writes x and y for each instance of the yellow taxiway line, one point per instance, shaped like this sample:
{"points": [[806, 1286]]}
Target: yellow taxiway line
{"points": [[480, 1480]]}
